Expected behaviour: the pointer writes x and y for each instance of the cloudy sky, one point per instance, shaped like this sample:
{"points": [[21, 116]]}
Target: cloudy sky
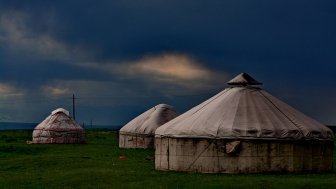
{"points": [[122, 57]]}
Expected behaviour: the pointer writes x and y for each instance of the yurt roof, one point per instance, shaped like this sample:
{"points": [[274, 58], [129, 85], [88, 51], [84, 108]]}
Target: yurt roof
{"points": [[149, 121], [246, 112], [58, 120]]}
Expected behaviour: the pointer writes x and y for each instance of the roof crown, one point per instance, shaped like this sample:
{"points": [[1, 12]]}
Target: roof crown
{"points": [[243, 79], [60, 110]]}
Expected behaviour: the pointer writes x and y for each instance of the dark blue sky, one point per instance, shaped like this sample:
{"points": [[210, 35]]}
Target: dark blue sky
{"points": [[122, 57]]}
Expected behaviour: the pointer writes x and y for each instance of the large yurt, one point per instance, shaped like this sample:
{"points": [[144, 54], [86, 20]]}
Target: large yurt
{"points": [[139, 133], [59, 127], [244, 129]]}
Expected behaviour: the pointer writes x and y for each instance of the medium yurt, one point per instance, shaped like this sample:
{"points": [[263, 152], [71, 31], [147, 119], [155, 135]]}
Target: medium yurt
{"points": [[59, 127], [139, 133], [243, 129]]}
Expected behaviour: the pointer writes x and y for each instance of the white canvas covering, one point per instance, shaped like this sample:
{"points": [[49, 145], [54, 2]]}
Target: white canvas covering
{"points": [[149, 121], [58, 127], [244, 112]]}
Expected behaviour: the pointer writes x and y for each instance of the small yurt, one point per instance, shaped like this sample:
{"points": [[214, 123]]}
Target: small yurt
{"points": [[59, 127], [243, 129], [139, 133]]}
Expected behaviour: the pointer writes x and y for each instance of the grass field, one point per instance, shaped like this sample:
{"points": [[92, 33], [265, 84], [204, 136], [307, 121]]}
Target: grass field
{"points": [[98, 165]]}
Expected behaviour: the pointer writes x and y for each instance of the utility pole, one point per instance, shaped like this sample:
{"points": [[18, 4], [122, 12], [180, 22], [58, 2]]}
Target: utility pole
{"points": [[73, 107]]}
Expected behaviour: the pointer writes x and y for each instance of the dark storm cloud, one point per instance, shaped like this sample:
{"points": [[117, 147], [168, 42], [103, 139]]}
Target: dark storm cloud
{"points": [[239, 30], [39, 73], [60, 45]]}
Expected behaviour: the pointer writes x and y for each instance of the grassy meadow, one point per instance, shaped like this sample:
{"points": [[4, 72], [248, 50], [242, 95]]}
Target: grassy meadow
{"points": [[101, 164]]}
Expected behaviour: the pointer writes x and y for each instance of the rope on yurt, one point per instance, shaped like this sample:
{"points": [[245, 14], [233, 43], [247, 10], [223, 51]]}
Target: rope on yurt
{"points": [[199, 155], [283, 113], [217, 96]]}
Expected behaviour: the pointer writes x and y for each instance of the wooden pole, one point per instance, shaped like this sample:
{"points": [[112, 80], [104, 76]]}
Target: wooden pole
{"points": [[73, 107]]}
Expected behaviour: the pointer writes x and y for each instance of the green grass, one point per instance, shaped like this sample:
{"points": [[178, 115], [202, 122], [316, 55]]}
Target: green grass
{"points": [[97, 165]]}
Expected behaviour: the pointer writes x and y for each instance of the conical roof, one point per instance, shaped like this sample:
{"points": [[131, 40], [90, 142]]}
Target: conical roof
{"points": [[248, 113], [149, 121], [58, 120], [243, 79]]}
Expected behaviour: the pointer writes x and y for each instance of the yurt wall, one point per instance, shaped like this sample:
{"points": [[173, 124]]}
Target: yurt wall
{"points": [[242, 156], [136, 141]]}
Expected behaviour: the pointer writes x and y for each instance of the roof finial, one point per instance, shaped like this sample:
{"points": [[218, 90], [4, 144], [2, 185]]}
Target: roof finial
{"points": [[243, 79]]}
